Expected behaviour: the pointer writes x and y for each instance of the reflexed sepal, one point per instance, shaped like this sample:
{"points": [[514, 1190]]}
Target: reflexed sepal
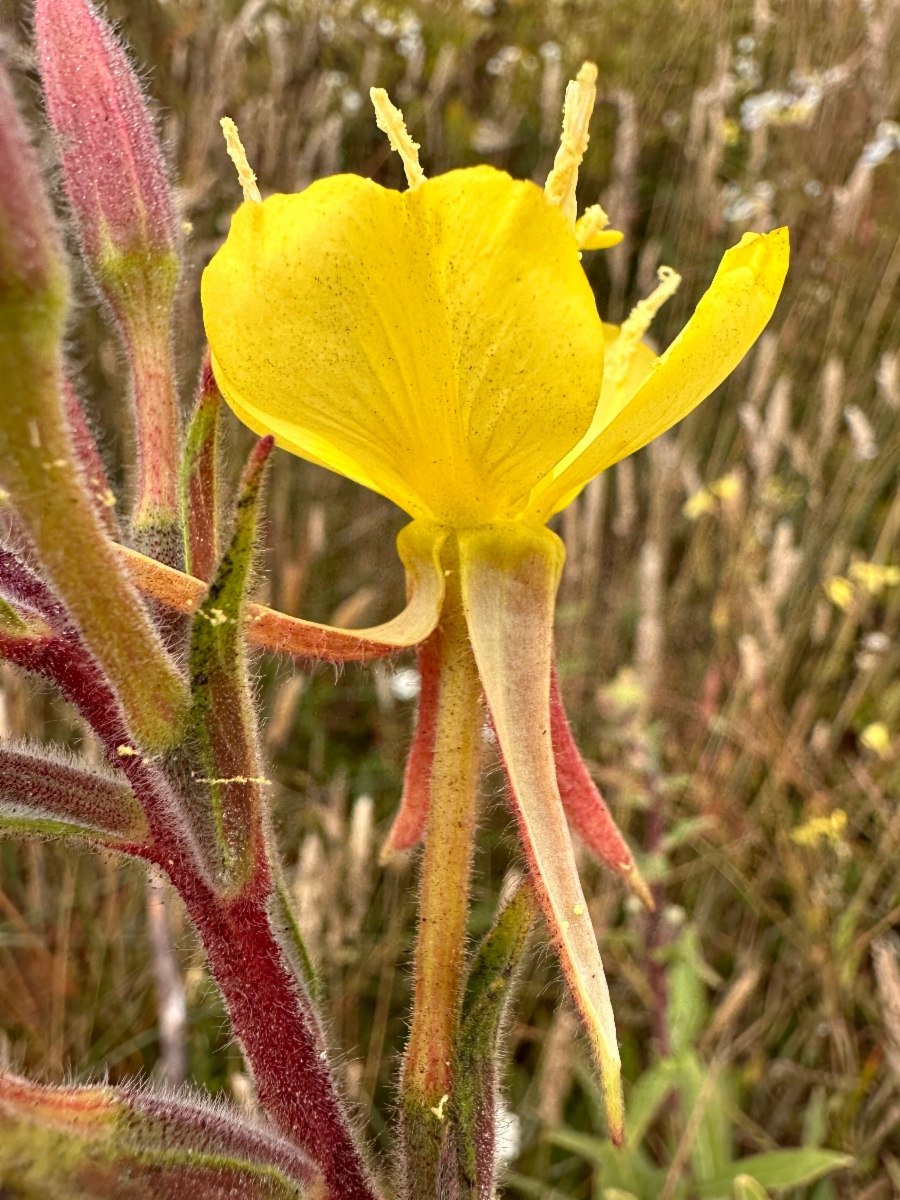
{"points": [[56, 797], [510, 574], [419, 546], [584, 805], [473, 1101], [96, 1143], [409, 823], [222, 733], [200, 481]]}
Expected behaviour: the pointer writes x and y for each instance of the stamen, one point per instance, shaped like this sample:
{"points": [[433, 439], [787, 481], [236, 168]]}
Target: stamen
{"points": [[591, 232], [389, 120], [581, 93], [238, 156], [621, 352]]}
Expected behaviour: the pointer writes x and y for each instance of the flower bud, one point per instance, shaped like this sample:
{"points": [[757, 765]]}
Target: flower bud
{"points": [[38, 466], [116, 183], [115, 176]]}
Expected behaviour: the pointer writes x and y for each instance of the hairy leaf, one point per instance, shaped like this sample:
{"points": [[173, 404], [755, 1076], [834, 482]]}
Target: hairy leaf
{"points": [[51, 796], [221, 722], [99, 1143], [473, 1101], [200, 480]]}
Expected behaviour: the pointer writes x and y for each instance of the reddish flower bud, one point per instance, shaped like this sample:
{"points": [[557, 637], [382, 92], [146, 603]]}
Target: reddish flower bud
{"points": [[114, 172], [120, 197], [38, 466]]}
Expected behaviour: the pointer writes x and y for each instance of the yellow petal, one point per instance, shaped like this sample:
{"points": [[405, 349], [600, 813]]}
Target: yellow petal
{"points": [[726, 323], [440, 345], [614, 395], [509, 575]]}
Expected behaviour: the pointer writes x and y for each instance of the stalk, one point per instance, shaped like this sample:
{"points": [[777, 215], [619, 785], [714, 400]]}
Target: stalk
{"points": [[276, 1027], [443, 903]]}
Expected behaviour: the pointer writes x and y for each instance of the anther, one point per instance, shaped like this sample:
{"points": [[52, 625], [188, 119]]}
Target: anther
{"points": [[581, 93], [238, 156], [621, 352], [389, 120]]}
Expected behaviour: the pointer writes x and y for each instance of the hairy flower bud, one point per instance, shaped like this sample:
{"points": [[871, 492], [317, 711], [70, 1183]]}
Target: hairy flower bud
{"points": [[116, 183], [38, 465]]}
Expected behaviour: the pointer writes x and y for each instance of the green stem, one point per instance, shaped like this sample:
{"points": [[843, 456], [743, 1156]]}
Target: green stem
{"points": [[443, 901]]}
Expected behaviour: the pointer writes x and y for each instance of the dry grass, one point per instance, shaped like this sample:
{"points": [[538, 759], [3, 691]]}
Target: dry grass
{"points": [[744, 714]]}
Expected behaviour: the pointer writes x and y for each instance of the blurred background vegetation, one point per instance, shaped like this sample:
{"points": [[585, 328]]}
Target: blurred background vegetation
{"points": [[729, 615]]}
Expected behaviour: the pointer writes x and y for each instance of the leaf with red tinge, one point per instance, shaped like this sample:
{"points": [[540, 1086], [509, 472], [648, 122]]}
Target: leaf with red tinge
{"points": [[510, 574], [47, 796], [100, 1143], [90, 461], [584, 805], [409, 823], [200, 480], [222, 723]]}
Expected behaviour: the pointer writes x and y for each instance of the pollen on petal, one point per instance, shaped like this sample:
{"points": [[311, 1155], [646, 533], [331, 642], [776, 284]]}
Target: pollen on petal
{"points": [[389, 120]]}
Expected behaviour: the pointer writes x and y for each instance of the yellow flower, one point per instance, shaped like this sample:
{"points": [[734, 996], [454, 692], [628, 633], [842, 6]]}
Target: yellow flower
{"points": [[839, 591], [818, 829], [442, 346], [874, 577], [701, 502], [877, 737]]}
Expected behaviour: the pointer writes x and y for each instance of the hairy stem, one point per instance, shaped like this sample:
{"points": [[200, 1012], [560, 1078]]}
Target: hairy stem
{"points": [[443, 900], [273, 1019]]}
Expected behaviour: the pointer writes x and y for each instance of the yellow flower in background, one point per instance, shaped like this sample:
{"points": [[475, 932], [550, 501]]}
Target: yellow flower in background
{"points": [[874, 577], [817, 829], [442, 346], [839, 591], [877, 738]]}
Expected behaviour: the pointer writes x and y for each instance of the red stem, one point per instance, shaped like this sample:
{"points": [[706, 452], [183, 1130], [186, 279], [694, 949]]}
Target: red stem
{"points": [[272, 1017], [269, 1009]]}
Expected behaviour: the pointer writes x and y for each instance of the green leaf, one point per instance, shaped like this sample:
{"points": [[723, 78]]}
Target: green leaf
{"points": [[711, 1150], [686, 1008], [779, 1169], [222, 725], [51, 796], [646, 1096], [98, 1143], [532, 1188], [627, 1169], [473, 1101]]}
